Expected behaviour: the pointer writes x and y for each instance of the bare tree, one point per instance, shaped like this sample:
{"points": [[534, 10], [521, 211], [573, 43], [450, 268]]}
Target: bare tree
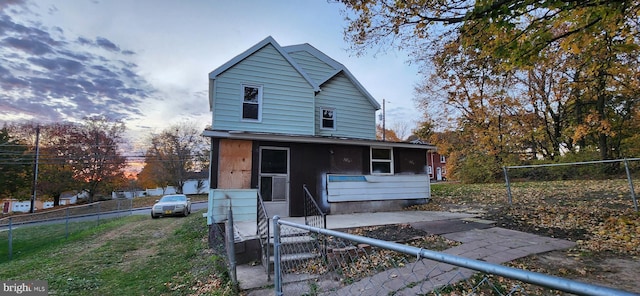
{"points": [[176, 151]]}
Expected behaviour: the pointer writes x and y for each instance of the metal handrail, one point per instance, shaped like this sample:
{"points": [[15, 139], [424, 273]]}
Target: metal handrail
{"points": [[263, 233], [311, 208]]}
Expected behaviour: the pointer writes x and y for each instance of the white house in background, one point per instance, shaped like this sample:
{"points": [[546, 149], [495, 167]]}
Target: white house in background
{"points": [[198, 183]]}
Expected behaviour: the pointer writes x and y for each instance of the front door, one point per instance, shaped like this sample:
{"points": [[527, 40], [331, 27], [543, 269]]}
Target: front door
{"points": [[439, 174], [274, 180]]}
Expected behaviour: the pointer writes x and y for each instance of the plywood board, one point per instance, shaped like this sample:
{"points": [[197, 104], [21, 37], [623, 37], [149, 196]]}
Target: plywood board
{"points": [[234, 170]]}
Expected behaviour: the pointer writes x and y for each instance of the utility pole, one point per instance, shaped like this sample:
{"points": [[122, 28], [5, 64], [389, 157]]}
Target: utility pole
{"points": [[35, 170], [384, 119]]}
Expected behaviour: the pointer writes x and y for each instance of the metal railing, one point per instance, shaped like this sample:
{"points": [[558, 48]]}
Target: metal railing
{"points": [[358, 265], [313, 215], [263, 232], [23, 232]]}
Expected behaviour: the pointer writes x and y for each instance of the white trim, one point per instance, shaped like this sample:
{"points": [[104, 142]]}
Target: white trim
{"points": [[269, 40], [390, 160], [321, 110], [287, 175], [259, 103]]}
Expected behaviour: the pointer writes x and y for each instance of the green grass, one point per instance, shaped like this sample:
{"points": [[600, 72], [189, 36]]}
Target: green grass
{"points": [[134, 255], [27, 240]]}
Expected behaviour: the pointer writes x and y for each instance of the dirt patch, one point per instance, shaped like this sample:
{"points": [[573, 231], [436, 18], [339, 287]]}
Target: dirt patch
{"points": [[505, 219], [611, 271], [392, 233]]}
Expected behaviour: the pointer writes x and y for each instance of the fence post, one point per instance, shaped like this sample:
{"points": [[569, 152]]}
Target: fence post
{"points": [[66, 224], [277, 279], [633, 192], [10, 238], [99, 203], [231, 252], [506, 178]]}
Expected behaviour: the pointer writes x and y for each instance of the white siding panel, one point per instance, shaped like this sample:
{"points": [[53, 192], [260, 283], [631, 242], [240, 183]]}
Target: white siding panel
{"points": [[355, 117], [243, 202], [287, 101], [368, 187]]}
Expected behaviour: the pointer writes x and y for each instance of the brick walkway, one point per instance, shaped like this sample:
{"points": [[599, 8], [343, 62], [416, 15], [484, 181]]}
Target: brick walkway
{"points": [[479, 240], [495, 245]]}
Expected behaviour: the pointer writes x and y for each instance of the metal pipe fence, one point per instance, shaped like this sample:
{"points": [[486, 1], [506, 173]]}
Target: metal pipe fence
{"points": [[358, 265], [625, 161], [23, 234]]}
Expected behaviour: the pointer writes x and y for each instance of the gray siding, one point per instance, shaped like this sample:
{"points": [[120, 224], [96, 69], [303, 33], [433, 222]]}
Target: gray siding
{"points": [[355, 117], [287, 101]]}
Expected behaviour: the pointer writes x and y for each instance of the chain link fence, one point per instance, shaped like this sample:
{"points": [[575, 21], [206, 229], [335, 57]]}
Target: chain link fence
{"points": [[26, 233], [222, 239], [316, 261], [613, 180]]}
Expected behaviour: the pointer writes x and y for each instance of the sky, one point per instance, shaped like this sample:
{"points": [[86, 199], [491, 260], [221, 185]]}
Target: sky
{"points": [[146, 62]]}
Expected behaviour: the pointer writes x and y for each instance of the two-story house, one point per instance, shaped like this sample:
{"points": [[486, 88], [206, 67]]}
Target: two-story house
{"points": [[436, 166], [288, 116]]}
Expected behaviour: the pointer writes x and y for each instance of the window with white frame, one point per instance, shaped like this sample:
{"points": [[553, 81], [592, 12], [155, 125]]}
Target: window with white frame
{"points": [[251, 102], [442, 159], [429, 170], [328, 120], [381, 161]]}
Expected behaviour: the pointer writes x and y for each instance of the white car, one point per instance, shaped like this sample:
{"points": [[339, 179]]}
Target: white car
{"points": [[171, 205]]}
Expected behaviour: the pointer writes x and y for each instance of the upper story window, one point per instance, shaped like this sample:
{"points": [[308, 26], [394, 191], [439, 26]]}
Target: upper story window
{"points": [[328, 118], [381, 161], [442, 159], [252, 102]]}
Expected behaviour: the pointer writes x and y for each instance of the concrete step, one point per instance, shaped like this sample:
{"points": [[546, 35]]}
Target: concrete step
{"points": [[290, 262]]}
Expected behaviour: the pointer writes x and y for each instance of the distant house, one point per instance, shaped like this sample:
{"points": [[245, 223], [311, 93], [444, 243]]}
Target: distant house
{"points": [[69, 198], [196, 183], [284, 117], [437, 166], [15, 206]]}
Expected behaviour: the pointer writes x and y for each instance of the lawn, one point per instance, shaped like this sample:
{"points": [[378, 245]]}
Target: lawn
{"points": [[134, 255]]}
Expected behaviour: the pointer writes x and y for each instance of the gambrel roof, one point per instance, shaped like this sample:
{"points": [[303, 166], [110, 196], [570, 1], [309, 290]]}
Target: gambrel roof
{"points": [[286, 52]]}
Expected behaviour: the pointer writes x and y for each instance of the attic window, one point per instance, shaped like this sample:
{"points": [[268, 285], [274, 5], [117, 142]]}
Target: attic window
{"points": [[328, 118], [252, 102]]}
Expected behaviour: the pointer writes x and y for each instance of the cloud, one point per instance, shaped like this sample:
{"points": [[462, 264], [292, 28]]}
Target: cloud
{"points": [[106, 44], [44, 77], [28, 46]]}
